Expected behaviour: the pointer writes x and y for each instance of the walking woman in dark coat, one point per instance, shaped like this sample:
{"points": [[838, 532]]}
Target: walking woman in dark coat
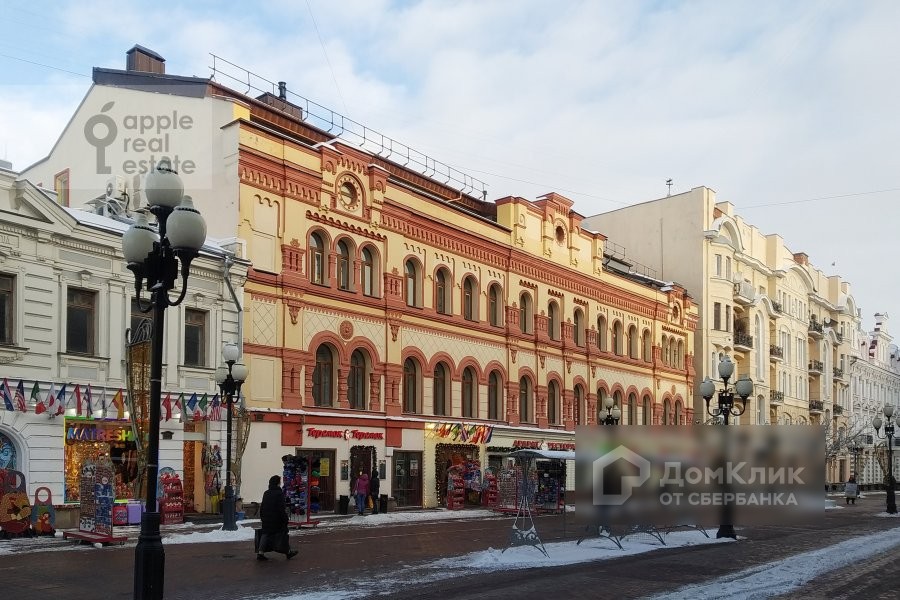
{"points": [[374, 485], [273, 514]]}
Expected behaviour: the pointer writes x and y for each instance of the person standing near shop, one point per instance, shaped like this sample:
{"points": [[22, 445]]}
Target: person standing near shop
{"points": [[274, 518], [374, 485], [361, 492]]}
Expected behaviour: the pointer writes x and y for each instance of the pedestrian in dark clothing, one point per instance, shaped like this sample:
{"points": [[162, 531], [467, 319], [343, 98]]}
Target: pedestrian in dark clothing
{"points": [[361, 492], [273, 514], [374, 484]]}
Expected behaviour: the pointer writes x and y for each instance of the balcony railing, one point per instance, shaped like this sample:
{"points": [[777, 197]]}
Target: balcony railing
{"points": [[776, 397], [777, 306], [838, 373], [816, 406], [776, 352], [743, 340], [816, 366], [744, 292], [838, 409], [816, 329]]}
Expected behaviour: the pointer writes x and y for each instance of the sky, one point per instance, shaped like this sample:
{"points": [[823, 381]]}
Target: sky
{"points": [[786, 109]]}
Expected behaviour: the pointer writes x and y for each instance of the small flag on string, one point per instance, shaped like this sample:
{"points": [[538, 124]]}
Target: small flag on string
{"points": [[215, 412], [51, 401], [192, 405], [20, 397], [119, 402], [7, 395], [79, 404], [103, 403], [62, 403], [181, 410], [89, 402], [167, 405], [39, 406]]}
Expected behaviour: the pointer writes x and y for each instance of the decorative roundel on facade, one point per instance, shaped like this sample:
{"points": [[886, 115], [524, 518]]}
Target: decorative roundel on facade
{"points": [[349, 191], [560, 234], [346, 330]]}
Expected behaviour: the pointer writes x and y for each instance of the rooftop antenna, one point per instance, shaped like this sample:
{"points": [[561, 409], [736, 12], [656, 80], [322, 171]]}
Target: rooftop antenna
{"points": [[669, 183]]}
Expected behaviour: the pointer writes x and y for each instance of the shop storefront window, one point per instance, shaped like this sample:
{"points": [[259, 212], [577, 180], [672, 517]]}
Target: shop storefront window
{"points": [[91, 439]]}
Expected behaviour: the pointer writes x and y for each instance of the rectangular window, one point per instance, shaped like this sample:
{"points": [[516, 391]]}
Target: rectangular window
{"points": [[138, 317], [717, 316], [194, 338], [7, 310], [728, 268], [718, 265], [81, 310], [727, 317]]}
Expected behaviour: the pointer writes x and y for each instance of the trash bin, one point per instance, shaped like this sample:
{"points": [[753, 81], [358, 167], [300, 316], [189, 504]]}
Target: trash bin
{"points": [[382, 503], [344, 505]]}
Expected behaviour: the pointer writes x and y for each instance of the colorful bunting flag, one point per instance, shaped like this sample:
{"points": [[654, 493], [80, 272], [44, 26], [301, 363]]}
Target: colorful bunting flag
{"points": [[51, 401], [89, 402], [78, 402], [181, 410], [20, 397], [167, 405], [216, 411], [7, 395], [62, 403], [119, 402], [39, 406]]}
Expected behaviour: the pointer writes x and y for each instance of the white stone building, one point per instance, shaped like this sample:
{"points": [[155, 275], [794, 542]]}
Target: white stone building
{"points": [[66, 301]]}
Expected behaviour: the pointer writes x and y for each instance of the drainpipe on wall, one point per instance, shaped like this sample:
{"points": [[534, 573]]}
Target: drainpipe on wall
{"points": [[228, 261]]}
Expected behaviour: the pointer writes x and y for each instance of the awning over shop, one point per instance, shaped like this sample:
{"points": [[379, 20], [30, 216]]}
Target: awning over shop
{"points": [[546, 454]]}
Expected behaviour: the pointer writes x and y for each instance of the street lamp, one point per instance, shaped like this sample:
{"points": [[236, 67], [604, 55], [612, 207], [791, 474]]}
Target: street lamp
{"points": [[889, 420], [230, 379], [613, 412], [725, 409], [154, 257], [856, 450]]}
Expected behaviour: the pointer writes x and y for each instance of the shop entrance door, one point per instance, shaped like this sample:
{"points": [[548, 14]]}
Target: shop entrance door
{"points": [[321, 479], [407, 484], [362, 458]]}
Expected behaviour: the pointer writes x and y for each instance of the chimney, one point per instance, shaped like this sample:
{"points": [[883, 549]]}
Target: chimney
{"points": [[282, 90], [144, 60], [801, 258], [280, 101]]}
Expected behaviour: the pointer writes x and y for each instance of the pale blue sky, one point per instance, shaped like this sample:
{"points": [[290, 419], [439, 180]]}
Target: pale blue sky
{"points": [[787, 109]]}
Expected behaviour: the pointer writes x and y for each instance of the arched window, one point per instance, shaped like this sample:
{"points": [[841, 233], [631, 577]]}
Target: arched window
{"points": [[469, 394], [439, 383], [553, 403], [526, 316], [647, 417], [442, 303], [618, 341], [525, 400], [578, 405], [618, 400], [495, 305], [411, 386], [343, 266], [553, 320], [579, 327], [494, 391], [679, 356], [633, 342], [679, 413], [667, 412], [470, 300], [369, 271], [602, 334], [356, 381], [648, 346], [601, 404], [317, 259], [632, 410], [323, 377], [666, 359], [413, 283]]}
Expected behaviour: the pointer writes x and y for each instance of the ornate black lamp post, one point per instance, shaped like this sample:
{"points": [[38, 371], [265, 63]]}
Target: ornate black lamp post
{"points": [[724, 410], [888, 411], [230, 379], [155, 258], [613, 412]]}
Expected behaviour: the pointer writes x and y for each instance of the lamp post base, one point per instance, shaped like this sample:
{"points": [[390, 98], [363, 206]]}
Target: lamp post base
{"points": [[149, 560], [228, 514], [726, 531]]}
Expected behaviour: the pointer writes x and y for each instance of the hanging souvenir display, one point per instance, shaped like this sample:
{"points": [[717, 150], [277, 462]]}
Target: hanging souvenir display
{"points": [[43, 515], [15, 509]]}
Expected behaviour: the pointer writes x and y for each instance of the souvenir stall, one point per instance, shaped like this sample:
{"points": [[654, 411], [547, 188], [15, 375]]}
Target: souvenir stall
{"points": [[93, 439], [96, 498], [540, 477], [458, 447], [301, 490]]}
